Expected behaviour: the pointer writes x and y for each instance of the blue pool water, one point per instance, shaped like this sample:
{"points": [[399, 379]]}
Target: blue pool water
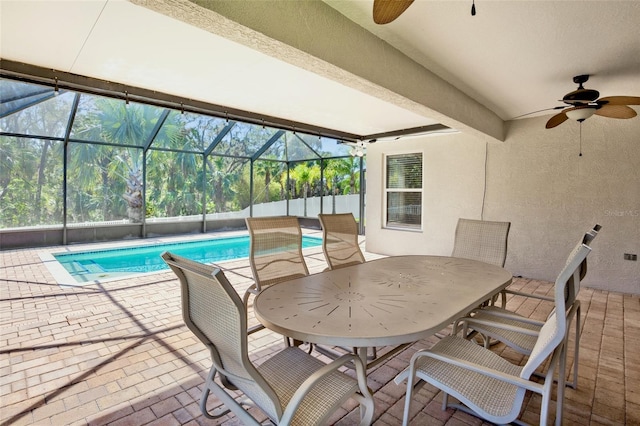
{"points": [[117, 263]]}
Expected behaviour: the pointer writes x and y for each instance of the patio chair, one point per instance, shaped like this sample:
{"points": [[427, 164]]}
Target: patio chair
{"points": [[291, 387], [275, 251], [340, 240], [488, 385], [275, 255], [482, 240], [519, 332]]}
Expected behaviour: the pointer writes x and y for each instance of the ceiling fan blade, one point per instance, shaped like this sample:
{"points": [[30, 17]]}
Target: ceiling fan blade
{"points": [[541, 110], [616, 111], [556, 120], [385, 11], [620, 100]]}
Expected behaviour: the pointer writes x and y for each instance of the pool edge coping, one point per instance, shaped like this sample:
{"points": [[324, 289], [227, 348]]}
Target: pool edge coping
{"points": [[63, 278]]}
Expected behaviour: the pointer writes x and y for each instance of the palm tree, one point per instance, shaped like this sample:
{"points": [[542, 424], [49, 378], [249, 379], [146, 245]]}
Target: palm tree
{"points": [[268, 170], [94, 167], [222, 177], [134, 188], [305, 176]]}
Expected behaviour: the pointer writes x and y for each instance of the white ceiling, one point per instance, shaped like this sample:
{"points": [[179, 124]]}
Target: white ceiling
{"points": [[517, 56], [514, 57]]}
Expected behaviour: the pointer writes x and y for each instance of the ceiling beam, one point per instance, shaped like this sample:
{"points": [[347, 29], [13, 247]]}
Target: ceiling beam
{"points": [[314, 36]]}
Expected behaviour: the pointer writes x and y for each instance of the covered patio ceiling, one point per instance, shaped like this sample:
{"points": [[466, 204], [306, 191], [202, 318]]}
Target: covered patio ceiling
{"points": [[326, 66], [130, 48]]}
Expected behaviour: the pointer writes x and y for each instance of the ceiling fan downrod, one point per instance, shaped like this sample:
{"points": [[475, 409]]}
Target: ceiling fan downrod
{"points": [[473, 8]]}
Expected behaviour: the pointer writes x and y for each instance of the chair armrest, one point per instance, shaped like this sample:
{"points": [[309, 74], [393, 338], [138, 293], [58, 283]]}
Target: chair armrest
{"points": [[507, 315], [316, 377], [471, 322], [535, 296], [467, 365]]}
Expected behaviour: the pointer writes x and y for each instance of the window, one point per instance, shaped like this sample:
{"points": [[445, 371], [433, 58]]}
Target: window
{"points": [[403, 191]]}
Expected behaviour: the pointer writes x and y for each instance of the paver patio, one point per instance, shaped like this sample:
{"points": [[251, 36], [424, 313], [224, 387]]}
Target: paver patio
{"points": [[118, 353]]}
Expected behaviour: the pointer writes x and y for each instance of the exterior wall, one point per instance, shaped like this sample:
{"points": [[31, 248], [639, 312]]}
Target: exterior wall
{"points": [[538, 182], [453, 183], [552, 195]]}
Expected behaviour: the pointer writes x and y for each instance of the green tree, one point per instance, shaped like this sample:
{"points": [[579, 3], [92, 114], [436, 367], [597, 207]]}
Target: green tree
{"points": [[304, 176], [269, 170]]}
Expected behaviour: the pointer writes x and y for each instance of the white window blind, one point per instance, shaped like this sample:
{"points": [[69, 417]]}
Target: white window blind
{"points": [[403, 191]]}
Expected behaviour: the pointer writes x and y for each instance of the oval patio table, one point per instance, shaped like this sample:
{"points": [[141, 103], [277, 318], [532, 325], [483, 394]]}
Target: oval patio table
{"points": [[388, 301]]}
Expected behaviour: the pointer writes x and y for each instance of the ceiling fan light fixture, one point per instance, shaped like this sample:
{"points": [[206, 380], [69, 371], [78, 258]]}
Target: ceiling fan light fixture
{"points": [[581, 114], [356, 152], [357, 149]]}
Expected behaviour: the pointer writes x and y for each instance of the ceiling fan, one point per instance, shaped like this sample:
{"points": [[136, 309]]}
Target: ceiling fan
{"points": [[583, 103], [385, 11]]}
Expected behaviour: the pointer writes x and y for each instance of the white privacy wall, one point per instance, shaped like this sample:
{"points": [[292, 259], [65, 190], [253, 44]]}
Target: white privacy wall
{"points": [[538, 182]]}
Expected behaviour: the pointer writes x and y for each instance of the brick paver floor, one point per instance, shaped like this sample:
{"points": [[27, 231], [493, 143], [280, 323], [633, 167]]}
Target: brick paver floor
{"points": [[118, 353]]}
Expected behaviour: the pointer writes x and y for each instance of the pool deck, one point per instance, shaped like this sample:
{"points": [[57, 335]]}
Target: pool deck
{"points": [[118, 353]]}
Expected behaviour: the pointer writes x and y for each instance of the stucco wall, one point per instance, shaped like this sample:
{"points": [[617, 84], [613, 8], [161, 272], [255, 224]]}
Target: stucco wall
{"points": [[453, 182], [536, 180]]}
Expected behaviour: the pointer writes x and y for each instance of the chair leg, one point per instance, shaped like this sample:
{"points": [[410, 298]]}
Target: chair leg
{"points": [[556, 362], [366, 410], [576, 350], [561, 385], [205, 396], [407, 398], [229, 402], [575, 310]]}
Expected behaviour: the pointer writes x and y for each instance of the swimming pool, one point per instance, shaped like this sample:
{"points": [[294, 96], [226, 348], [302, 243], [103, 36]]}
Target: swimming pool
{"points": [[100, 265]]}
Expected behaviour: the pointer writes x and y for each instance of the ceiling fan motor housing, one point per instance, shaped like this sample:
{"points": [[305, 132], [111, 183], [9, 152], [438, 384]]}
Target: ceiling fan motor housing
{"points": [[581, 96]]}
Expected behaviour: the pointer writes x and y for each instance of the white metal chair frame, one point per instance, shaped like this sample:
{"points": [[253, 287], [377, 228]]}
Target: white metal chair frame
{"points": [[467, 371], [520, 332], [291, 387]]}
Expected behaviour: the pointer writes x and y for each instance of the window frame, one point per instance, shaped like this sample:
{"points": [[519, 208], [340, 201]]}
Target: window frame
{"points": [[397, 226]]}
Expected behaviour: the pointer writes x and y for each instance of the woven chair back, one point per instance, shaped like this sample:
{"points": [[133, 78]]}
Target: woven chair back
{"points": [[275, 251], [481, 240], [340, 240]]}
